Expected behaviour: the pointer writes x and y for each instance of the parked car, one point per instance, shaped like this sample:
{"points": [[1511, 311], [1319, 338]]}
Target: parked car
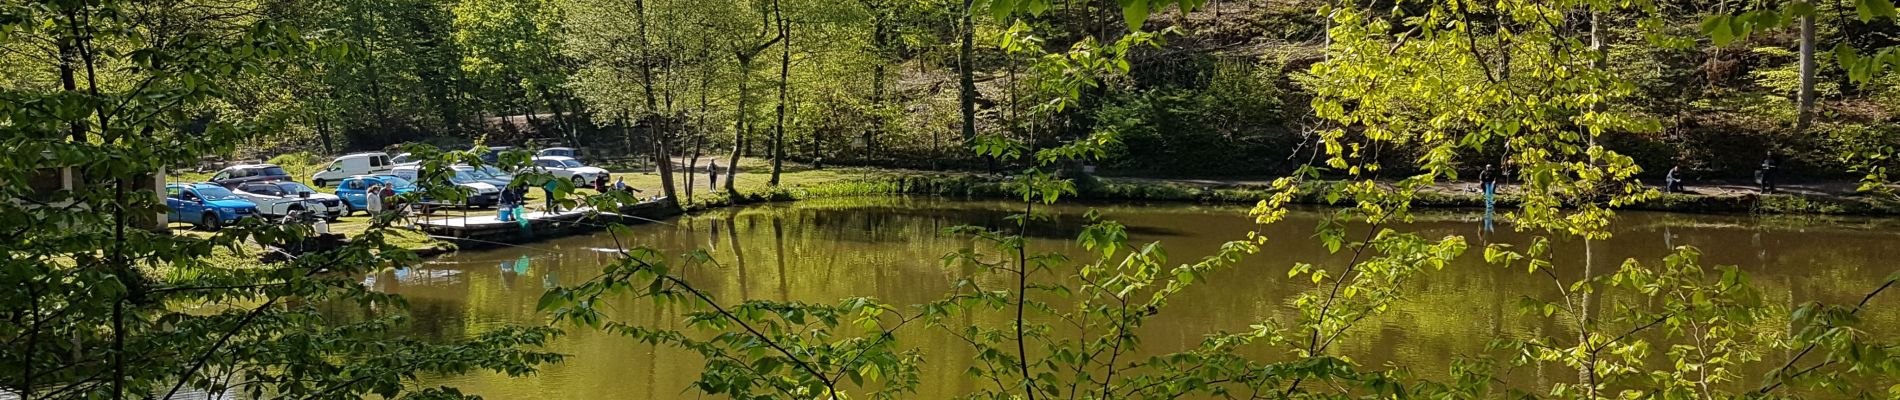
{"points": [[568, 168], [280, 198], [482, 175], [237, 174], [494, 153], [404, 159], [568, 152], [355, 190], [481, 192], [206, 205], [497, 175], [350, 165]]}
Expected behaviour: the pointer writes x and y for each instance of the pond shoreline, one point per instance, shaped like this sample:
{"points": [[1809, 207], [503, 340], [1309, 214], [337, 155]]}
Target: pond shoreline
{"points": [[1111, 189], [1114, 190]]}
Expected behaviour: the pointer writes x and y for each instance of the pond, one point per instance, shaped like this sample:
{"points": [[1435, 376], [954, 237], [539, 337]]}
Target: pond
{"points": [[890, 248]]}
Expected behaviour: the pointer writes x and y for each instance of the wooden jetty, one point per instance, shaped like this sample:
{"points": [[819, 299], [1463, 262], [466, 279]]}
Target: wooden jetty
{"points": [[487, 229]]}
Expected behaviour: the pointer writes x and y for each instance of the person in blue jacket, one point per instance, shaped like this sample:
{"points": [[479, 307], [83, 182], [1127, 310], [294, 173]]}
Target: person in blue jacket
{"points": [[548, 190]]}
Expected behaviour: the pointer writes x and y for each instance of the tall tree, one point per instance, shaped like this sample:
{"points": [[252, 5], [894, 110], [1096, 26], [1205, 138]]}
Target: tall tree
{"points": [[784, 84], [746, 49], [515, 46], [966, 69], [1804, 107], [614, 48]]}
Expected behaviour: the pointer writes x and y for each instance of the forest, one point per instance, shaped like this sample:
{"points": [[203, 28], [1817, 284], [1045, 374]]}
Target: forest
{"points": [[1225, 89], [1352, 115]]}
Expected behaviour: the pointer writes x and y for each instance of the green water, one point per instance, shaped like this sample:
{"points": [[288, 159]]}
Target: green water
{"points": [[889, 248]]}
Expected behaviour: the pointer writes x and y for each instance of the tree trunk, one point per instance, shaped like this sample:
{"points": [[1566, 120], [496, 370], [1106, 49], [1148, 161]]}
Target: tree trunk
{"points": [[880, 37], [1586, 370], [699, 145], [965, 71], [323, 133], [784, 83], [561, 120], [1504, 48], [739, 125], [662, 127], [69, 53], [1804, 114], [1597, 57]]}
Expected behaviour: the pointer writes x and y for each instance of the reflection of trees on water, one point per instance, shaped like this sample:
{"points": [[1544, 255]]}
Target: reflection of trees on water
{"points": [[779, 255], [892, 251]]}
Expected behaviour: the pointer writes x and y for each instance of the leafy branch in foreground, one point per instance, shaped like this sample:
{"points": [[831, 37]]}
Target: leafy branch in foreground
{"points": [[103, 304]]}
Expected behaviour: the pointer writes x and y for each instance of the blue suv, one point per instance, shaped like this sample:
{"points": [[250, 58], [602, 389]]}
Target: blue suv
{"points": [[355, 190], [206, 205]]}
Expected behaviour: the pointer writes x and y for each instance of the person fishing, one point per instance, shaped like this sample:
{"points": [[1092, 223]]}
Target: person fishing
{"points": [[1488, 182], [505, 206], [548, 190], [620, 184]]}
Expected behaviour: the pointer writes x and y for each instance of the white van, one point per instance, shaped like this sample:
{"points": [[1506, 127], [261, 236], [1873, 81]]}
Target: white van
{"points": [[351, 165]]}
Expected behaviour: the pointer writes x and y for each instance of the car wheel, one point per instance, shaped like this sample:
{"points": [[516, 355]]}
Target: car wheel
{"points": [[348, 209], [319, 182], [579, 181], [211, 222]]}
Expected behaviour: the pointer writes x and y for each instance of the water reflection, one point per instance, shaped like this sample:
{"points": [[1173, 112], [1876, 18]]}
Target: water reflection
{"points": [[890, 248]]}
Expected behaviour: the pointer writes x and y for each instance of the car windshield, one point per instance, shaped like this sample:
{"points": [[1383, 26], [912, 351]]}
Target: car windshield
{"points": [[571, 163], [294, 188], [398, 183], [274, 171], [496, 173], [215, 193], [465, 176], [477, 173]]}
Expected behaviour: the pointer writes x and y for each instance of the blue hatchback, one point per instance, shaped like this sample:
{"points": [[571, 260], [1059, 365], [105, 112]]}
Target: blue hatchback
{"points": [[355, 190], [206, 205]]}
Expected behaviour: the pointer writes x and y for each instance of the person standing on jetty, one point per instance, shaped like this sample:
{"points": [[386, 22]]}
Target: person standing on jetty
{"points": [[1765, 177]]}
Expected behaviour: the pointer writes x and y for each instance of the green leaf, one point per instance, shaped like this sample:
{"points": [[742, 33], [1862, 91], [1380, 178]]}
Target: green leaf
{"points": [[1036, 7], [550, 299], [1717, 29], [1871, 9], [1136, 13]]}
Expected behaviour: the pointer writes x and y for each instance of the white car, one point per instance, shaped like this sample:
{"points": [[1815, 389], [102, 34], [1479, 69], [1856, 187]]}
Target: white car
{"points": [[279, 198], [404, 159], [351, 165], [568, 168]]}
